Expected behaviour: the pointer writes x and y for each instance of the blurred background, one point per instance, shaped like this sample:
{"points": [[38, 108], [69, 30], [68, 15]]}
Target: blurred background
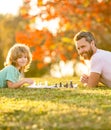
{"points": [[48, 28]]}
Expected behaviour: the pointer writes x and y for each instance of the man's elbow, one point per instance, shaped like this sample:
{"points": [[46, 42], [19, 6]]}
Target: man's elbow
{"points": [[92, 85]]}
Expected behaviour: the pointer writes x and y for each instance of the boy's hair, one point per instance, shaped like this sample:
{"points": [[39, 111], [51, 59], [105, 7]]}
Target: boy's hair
{"points": [[84, 34], [17, 51]]}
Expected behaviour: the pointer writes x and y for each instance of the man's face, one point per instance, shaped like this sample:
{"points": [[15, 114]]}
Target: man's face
{"points": [[84, 48]]}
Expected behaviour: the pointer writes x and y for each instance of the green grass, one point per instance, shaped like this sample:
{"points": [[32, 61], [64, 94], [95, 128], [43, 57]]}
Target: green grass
{"points": [[55, 109]]}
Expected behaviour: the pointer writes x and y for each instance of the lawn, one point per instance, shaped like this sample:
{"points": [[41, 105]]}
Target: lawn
{"points": [[78, 108]]}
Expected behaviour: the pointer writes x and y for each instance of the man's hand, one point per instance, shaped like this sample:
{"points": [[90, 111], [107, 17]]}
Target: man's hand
{"points": [[92, 80], [84, 79]]}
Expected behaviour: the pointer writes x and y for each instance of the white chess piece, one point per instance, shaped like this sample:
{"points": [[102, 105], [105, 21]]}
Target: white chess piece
{"points": [[75, 85], [46, 83]]}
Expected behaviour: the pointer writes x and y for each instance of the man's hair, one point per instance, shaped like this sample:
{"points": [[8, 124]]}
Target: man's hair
{"points": [[84, 34]]}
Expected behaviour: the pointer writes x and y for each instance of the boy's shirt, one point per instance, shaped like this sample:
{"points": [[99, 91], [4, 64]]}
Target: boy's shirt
{"points": [[10, 73]]}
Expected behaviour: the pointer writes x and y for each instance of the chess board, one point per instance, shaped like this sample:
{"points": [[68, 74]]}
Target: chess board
{"points": [[57, 85], [40, 86]]}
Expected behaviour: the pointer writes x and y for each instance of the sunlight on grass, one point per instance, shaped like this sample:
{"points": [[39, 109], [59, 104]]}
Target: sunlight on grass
{"points": [[62, 108], [51, 111]]}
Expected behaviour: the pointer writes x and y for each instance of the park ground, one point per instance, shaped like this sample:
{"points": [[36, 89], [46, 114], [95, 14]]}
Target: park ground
{"points": [[78, 108]]}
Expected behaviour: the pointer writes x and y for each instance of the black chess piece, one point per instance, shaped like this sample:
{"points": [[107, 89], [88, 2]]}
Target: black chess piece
{"points": [[60, 85], [56, 85], [71, 84], [66, 85]]}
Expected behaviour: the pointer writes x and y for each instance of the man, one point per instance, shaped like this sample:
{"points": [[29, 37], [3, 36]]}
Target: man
{"points": [[100, 60]]}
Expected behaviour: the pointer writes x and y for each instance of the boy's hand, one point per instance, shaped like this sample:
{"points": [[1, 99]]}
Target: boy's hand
{"points": [[28, 80]]}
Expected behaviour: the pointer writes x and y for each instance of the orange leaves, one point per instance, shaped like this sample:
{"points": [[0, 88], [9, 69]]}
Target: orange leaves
{"points": [[24, 37], [21, 37], [23, 12], [38, 53], [62, 56], [40, 65], [40, 41], [74, 55], [79, 11], [34, 38], [74, 15], [70, 48], [39, 2]]}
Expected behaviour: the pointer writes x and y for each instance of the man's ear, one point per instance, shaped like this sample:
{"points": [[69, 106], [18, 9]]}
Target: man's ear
{"points": [[92, 43]]}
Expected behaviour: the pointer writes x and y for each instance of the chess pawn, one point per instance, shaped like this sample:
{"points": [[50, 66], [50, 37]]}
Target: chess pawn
{"points": [[46, 83], [56, 85], [39, 84], [75, 85], [71, 84], [60, 85]]}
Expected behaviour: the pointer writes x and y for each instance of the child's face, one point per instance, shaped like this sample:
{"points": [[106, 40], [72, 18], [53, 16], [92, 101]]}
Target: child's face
{"points": [[22, 61]]}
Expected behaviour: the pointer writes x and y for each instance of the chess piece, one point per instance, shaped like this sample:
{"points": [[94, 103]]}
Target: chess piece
{"points": [[60, 85], [66, 85], [75, 85], [46, 83], [39, 84], [71, 84], [55, 85]]}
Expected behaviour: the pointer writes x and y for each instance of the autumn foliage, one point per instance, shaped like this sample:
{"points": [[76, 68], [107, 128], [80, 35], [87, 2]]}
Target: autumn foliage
{"points": [[73, 15]]}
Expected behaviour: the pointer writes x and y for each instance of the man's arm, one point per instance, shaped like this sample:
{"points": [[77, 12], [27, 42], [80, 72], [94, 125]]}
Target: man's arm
{"points": [[92, 80]]}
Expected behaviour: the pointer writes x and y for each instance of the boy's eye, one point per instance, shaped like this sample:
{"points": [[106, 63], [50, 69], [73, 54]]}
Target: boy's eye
{"points": [[25, 56], [22, 56]]}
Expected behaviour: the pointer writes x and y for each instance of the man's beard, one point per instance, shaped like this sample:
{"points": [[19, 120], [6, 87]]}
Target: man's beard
{"points": [[87, 55]]}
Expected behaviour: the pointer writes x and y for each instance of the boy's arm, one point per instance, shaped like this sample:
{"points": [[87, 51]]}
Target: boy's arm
{"points": [[19, 83]]}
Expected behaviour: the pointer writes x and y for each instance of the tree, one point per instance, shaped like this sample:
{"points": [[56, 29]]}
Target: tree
{"points": [[9, 25], [72, 15]]}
